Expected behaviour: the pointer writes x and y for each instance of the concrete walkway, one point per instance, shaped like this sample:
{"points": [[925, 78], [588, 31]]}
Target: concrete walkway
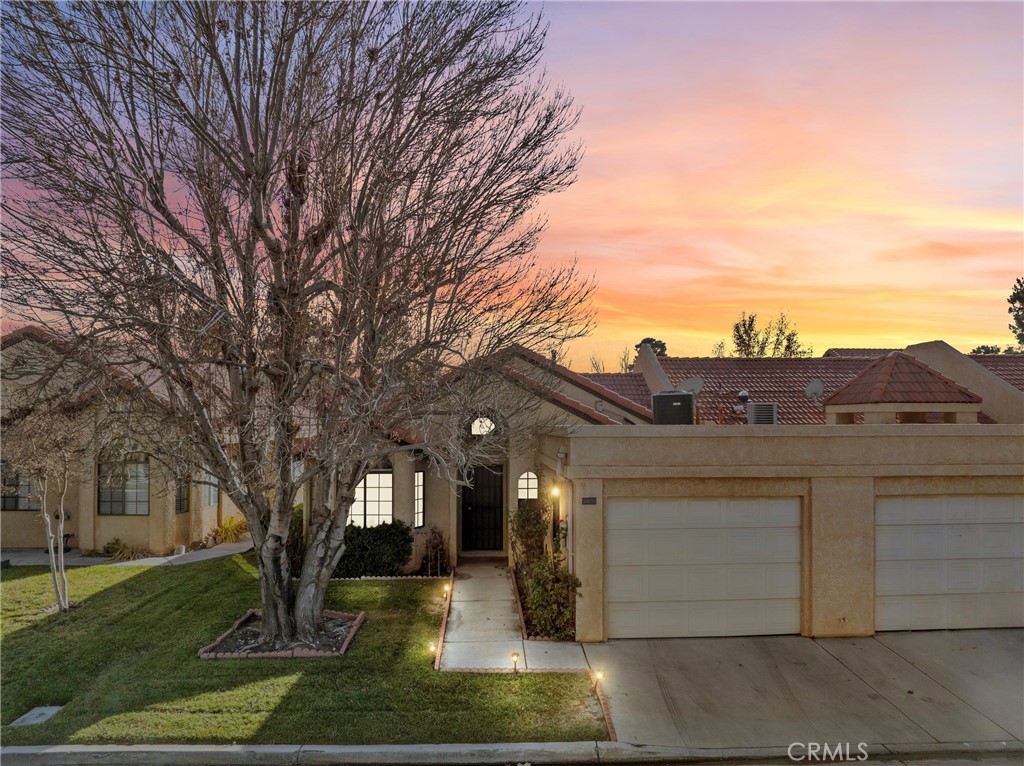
{"points": [[35, 557], [483, 626]]}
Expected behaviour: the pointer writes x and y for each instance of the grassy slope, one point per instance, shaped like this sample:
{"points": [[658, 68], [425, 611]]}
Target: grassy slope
{"points": [[125, 667]]}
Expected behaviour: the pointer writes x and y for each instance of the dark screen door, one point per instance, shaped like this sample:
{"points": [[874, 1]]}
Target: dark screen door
{"points": [[481, 510]]}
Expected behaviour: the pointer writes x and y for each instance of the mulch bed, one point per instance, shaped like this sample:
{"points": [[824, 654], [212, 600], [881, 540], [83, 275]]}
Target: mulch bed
{"points": [[242, 640]]}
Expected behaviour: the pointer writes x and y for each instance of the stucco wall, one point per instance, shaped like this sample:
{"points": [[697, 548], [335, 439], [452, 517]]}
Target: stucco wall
{"points": [[836, 471]]}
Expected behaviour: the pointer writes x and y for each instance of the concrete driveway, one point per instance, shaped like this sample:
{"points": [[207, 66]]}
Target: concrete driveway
{"points": [[895, 688]]}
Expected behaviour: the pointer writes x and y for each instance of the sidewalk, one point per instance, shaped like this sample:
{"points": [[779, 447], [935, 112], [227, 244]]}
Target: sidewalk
{"points": [[483, 626], [34, 557]]}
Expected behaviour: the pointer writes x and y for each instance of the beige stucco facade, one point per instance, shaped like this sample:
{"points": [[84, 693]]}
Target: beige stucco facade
{"points": [[837, 472]]}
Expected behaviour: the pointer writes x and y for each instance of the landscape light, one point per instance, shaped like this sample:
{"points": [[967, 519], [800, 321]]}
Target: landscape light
{"points": [[433, 647], [515, 662], [599, 675], [446, 587]]}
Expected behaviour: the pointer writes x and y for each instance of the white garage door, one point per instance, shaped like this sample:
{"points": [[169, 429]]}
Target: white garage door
{"points": [[702, 567], [949, 561]]}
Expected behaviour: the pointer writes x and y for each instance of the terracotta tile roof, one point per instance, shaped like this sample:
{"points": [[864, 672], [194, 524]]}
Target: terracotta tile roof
{"points": [[1009, 367], [559, 399], [640, 407], [628, 385], [899, 378], [766, 380], [857, 353]]}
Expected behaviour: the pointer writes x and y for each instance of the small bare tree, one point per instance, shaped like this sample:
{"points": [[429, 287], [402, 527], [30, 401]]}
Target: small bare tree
{"points": [[303, 227], [625, 359], [596, 363]]}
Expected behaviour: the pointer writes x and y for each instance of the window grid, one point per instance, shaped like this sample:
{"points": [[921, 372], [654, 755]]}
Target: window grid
{"points": [[528, 486], [373, 503], [124, 488], [182, 492], [18, 491], [418, 500]]}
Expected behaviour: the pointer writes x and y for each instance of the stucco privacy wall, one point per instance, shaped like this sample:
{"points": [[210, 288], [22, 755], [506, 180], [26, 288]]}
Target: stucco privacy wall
{"points": [[836, 471]]}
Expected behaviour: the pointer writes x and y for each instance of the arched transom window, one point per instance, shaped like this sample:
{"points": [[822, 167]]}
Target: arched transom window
{"points": [[481, 426], [528, 486]]}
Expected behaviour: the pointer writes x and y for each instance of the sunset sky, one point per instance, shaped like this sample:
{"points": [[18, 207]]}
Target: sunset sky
{"points": [[856, 165]]}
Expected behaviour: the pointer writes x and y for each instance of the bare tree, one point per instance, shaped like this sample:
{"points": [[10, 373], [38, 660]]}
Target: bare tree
{"points": [[596, 363], [302, 226], [625, 359]]}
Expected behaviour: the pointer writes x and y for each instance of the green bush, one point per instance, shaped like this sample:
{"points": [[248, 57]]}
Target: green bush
{"points": [[380, 551], [549, 599], [529, 530], [296, 545]]}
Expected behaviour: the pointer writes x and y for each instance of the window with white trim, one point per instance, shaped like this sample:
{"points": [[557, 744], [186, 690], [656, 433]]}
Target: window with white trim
{"points": [[418, 500], [528, 486], [19, 492], [373, 504]]}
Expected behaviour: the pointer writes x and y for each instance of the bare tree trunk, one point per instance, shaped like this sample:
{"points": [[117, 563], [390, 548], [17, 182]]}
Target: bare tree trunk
{"points": [[51, 555], [62, 597], [276, 592]]}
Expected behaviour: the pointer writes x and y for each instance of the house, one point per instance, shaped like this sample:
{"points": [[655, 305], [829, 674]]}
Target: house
{"points": [[867, 490]]}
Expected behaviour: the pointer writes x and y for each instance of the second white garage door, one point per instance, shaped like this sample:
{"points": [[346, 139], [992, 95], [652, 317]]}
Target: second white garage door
{"points": [[702, 567], [949, 561]]}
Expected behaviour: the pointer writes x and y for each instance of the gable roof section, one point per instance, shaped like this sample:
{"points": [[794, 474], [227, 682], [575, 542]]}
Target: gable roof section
{"points": [[559, 399], [636, 407], [899, 378], [628, 385]]}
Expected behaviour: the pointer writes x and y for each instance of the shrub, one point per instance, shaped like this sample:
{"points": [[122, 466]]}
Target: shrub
{"points": [[296, 546], [380, 551], [233, 529], [529, 529], [119, 550], [435, 556], [549, 599]]}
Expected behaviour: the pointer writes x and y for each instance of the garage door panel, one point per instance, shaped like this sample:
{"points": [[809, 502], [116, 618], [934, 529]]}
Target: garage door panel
{"points": [[703, 567], [998, 508], [703, 618], [947, 562]]}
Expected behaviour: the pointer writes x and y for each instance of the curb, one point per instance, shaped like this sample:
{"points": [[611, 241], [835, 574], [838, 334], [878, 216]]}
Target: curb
{"points": [[408, 755]]}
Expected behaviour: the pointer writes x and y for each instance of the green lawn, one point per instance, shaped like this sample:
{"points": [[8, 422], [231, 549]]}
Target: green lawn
{"points": [[124, 665]]}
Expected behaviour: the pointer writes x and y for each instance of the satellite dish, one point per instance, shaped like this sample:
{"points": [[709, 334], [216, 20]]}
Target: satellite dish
{"points": [[814, 390], [693, 385]]}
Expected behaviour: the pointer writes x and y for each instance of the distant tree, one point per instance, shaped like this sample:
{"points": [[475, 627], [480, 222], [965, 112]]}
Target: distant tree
{"points": [[657, 346], [718, 350], [986, 348], [625, 360], [1016, 310], [776, 339], [596, 363]]}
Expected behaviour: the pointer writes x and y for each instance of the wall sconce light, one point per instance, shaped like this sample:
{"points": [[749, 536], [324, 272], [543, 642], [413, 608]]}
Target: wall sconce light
{"points": [[515, 662], [555, 492]]}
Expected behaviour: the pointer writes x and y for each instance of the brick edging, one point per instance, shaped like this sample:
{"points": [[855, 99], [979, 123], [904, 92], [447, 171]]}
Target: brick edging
{"points": [[384, 578], [444, 619], [606, 710], [208, 653]]}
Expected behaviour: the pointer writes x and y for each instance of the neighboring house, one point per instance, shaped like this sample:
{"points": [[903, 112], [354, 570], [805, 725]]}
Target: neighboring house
{"points": [[885, 491]]}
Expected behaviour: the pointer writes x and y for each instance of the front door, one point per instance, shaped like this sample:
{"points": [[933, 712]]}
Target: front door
{"points": [[481, 510]]}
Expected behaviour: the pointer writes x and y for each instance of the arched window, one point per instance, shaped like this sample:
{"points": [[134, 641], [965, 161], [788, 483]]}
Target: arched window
{"points": [[481, 426], [528, 486], [123, 484]]}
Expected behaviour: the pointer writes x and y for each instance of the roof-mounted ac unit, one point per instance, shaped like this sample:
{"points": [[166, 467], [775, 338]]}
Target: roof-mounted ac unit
{"points": [[673, 408], [762, 414]]}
